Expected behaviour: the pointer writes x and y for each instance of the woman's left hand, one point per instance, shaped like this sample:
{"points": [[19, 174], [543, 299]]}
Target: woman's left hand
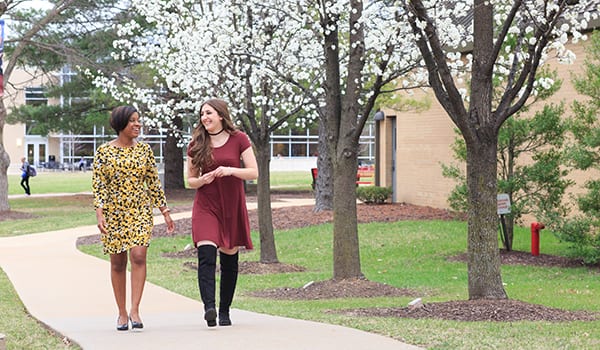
{"points": [[170, 223], [223, 171]]}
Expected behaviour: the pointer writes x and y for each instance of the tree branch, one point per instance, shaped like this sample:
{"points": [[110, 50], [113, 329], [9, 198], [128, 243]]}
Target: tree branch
{"points": [[440, 77]]}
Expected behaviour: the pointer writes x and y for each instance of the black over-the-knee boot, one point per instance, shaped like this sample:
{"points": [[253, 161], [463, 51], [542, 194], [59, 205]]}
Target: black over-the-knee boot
{"points": [[229, 274], [207, 262]]}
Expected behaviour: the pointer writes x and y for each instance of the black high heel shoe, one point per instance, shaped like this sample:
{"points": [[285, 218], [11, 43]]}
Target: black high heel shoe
{"points": [[136, 325], [211, 317], [224, 319], [122, 327]]}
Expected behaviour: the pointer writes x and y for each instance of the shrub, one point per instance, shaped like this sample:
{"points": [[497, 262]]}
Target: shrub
{"points": [[582, 235], [373, 194]]}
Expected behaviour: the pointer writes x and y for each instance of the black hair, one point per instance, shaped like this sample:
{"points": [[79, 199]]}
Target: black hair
{"points": [[119, 117]]}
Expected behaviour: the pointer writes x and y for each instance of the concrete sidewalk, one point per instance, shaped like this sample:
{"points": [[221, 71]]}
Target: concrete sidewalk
{"points": [[71, 292]]}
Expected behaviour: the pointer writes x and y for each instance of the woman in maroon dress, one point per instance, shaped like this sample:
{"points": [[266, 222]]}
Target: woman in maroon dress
{"points": [[219, 216]]}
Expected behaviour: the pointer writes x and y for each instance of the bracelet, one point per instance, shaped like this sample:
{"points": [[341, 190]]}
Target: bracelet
{"points": [[166, 210]]}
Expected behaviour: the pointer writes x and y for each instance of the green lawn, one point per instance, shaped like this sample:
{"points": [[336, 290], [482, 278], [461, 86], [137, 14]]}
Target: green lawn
{"points": [[55, 213], [53, 182], [21, 330], [296, 180], [76, 181], [410, 254], [413, 255]]}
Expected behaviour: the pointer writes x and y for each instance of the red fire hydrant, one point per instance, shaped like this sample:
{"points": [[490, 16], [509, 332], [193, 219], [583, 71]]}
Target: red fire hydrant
{"points": [[535, 237]]}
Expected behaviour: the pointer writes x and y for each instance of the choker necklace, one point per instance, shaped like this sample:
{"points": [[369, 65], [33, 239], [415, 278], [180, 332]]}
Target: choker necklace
{"points": [[216, 133]]}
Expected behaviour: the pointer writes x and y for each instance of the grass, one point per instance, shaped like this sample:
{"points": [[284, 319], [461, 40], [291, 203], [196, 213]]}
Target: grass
{"points": [[56, 213], [21, 330], [406, 255], [296, 180], [49, 214], [53, 213], [53, 182], [403, 254], [77, 181]]}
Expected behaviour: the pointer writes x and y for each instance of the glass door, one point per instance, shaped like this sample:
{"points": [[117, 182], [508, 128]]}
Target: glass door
{"points": [[36, 153]]}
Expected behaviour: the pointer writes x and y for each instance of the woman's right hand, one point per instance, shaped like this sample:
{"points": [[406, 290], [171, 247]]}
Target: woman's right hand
{"points": [[204, 179], [207, 178], [101, 221]]}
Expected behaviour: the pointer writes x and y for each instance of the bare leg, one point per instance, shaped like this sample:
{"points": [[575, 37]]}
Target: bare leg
{"points": [[137, 257], [118, 273]]}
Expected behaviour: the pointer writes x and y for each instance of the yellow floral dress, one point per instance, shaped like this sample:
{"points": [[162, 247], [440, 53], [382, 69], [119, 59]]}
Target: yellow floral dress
{"points": [[126, 186]]}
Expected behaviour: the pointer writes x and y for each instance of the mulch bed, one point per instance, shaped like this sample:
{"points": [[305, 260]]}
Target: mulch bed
{"points": [[331, 289], [504, 310]]}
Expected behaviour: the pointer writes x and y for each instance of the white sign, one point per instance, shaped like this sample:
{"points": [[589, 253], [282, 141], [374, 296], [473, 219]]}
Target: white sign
{"points": [[503, 204]]}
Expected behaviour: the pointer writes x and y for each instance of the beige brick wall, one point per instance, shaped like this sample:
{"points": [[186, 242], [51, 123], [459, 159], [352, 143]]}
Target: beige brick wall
{"points": [[14, 135], [424, 141]]}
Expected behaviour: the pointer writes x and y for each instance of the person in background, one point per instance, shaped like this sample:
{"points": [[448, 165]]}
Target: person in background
{"points": [[219, 214], [25, 176], [126, 187], [82, 164]]}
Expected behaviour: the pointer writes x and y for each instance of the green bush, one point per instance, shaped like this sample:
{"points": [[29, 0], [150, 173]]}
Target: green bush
{"points": [[581, 233], [373, 194]]}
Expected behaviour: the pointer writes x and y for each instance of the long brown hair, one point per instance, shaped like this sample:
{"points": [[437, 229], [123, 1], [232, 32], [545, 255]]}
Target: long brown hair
{"points": [[201, 150]]}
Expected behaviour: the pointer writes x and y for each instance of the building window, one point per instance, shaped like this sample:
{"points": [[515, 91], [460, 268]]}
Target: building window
{"points": [[35, 96], [305, 143]]}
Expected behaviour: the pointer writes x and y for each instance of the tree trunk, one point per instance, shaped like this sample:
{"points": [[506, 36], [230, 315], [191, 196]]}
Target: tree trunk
{"points": [[324, 184], [485, 281], [340, 123], [480, 131], [268, 252], [174, 160], [4, 162], [346, 255]]}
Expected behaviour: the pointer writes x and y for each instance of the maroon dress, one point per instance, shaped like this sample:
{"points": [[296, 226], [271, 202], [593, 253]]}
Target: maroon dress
{"points": [[219, 213]]}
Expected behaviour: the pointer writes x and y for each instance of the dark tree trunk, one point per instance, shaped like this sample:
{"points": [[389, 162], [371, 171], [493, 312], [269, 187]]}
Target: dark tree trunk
{"points": [[481, 136], [174, 160], [485, 281], [341, 113], [346, 255], [4, 162], [268, 252], [324, 189]]}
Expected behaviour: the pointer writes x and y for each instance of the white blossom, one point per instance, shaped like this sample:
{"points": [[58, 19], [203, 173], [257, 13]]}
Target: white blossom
{"points": [[198, 52]]}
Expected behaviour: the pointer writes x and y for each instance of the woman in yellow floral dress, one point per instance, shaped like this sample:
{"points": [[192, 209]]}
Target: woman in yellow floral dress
{"points": [[126, 188]]}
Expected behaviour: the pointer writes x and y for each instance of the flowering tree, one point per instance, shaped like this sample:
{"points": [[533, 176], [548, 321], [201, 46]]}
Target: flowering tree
{"points": [[232, 50], [365, 48], [270, 60], [510, 41]]}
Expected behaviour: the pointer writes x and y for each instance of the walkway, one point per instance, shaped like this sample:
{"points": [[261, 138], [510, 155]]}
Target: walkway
{"points": [[70, 292]]}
